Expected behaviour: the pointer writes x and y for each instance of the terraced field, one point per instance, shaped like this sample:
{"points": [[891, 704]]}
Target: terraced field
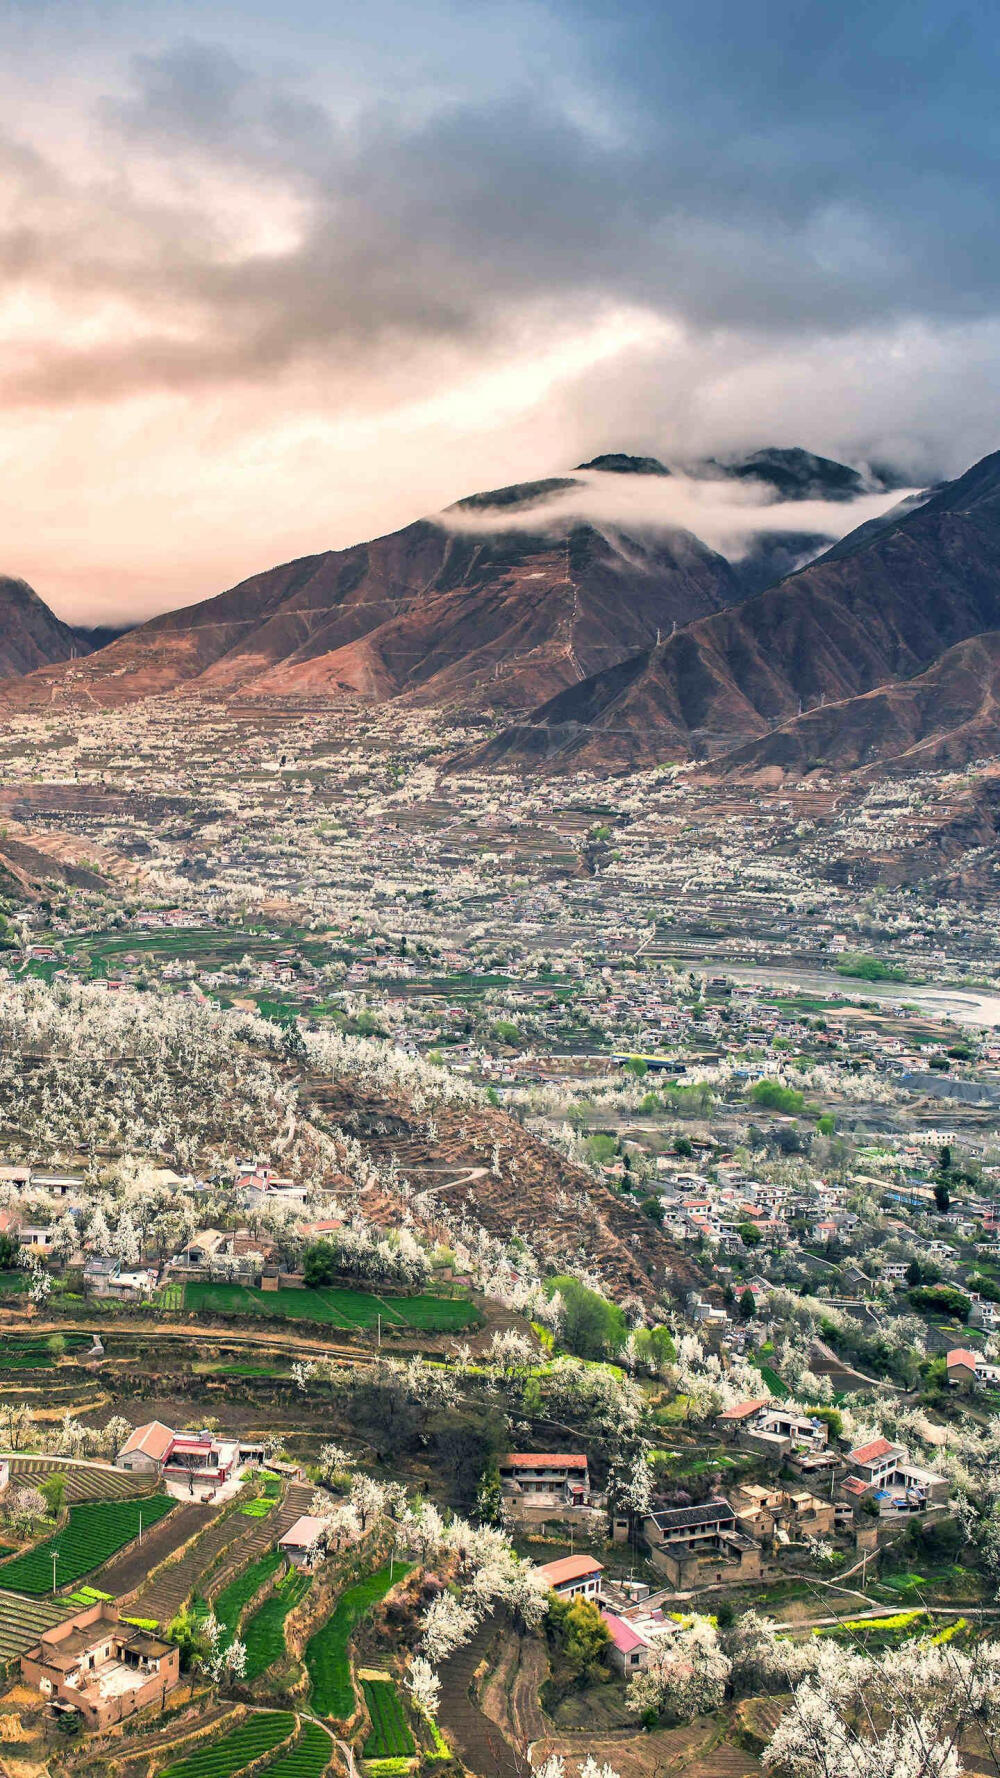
{"points": [[84, 1481], [35, 1353], [163, 1596], [126, 1572], [332, 1307], [93, 1533], [233, 1541], [249, 1741], [327, 1657], [308, 1758], [257, 1535], [23, 1620], [390, 1736], [264, 1632], [230, 1602]]}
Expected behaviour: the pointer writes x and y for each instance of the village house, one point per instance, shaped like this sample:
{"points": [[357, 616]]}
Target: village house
{"points": [[967, 1369], [37, 1237], [537, 1486], [204, 1246], [764, 1425], [305, 1541], [104, 1277], [776, 1516], [104, 1669], [186, 1459], [573, 1577], [698, 1545], [628, 1650], [257, 1181], [883, 1472]]}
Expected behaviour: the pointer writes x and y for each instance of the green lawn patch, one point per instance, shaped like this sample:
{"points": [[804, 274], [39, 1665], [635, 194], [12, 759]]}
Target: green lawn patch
{"points": [[390, 1732], [778, 1389], [333, 1307], [95, 1530], [327, 1658]]}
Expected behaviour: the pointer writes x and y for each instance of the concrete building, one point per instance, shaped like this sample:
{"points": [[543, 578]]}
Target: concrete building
{"points": [[573, 1577]]}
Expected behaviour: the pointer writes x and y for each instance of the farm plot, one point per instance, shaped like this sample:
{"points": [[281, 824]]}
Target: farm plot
{"points": [[84, 1481], [39, 1353], [251, 1740], [126, 1572], [327, 1658], [230, 1602], [172, 1585], [308, 1758], [23, 1620], [264, 1633], [94, 1532], [333, 1307], [390, 1732]]}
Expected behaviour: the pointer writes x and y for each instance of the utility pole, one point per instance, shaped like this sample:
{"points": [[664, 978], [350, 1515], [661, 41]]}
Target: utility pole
{"points": [[55, 1558]]}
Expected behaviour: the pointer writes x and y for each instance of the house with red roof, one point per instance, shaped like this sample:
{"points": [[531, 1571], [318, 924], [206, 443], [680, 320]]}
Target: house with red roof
{"points": [[544, 1484], [186, 1460], [573, 1577], [967, 1369], [628, 1650], [884, 1473]]}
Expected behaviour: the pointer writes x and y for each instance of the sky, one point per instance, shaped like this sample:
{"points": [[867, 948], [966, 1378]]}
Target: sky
{"points": [[274, 279]]}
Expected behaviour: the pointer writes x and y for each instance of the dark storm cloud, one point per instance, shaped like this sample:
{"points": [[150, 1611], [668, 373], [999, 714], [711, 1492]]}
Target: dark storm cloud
{"points": [[779, 171]]}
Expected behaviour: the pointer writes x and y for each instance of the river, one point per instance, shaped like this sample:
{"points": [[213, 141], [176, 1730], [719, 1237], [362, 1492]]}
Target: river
{"points": [[967, 1006]]}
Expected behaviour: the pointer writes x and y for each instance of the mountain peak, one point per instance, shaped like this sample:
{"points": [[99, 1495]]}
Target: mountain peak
{"points": [[620, 463], [518, 496], [795, 474]]}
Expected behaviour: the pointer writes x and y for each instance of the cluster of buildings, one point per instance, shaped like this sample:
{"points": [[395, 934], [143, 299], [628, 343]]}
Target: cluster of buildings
{"points": [[196, 1464], [726, 1539]]}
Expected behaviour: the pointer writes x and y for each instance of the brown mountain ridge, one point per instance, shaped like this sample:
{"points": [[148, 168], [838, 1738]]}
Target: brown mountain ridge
{"points": [[875, 613], [499, 604], [30, 634]]}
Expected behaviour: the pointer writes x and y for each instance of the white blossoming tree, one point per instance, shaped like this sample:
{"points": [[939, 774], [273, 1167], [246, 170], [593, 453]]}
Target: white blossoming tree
{"points": [[686, 1676], [424, 1686], [446, 1625], [898, 1715]]}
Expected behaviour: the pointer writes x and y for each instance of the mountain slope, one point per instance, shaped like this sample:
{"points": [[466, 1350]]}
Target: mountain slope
{"points": [[504, 601], [873, 611], [30, 634], [944, 718], [470, 616]]}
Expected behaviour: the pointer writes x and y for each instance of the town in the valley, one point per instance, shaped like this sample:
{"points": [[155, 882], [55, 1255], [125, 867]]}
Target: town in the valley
{"points": [[491, 1274]]}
